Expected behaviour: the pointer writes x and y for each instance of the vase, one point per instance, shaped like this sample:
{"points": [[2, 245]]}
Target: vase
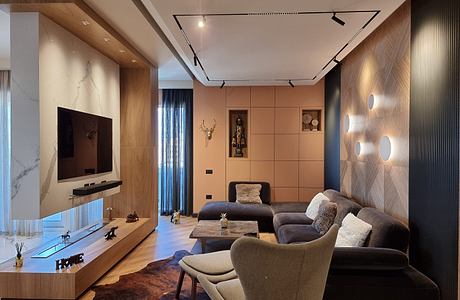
{"points": [[19, 261], [224, 223]]}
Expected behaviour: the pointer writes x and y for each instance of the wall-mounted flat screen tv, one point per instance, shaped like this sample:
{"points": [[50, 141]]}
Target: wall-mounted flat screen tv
{"points": [[84, 144]]}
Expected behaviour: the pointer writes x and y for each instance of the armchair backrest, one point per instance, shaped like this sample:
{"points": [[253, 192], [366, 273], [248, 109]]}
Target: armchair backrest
{"points": [[275, 271], [265, 191]]}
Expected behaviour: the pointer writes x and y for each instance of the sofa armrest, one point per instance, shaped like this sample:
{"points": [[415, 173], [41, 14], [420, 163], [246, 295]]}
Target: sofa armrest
{"points": [[366, 258]]}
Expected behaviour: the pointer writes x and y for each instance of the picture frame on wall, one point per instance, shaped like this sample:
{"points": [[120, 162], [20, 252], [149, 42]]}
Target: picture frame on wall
{"points": [[311, 120]]}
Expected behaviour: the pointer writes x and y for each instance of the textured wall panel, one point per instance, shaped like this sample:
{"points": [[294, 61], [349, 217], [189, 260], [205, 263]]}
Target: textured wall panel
{"points": [[434, 141]]}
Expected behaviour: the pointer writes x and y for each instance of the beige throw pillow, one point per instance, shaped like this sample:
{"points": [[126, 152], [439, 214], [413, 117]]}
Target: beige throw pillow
{"points": [[248, 193], [313, 207], [353, 232]]}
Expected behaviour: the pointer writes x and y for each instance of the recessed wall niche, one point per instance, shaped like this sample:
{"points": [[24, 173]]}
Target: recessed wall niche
{"points": [[238, 133], [311, 120]]}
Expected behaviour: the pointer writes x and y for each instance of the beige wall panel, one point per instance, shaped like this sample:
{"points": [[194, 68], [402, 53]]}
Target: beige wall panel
{"points": [[286, 174], [238, 170], [262, 96], [287, 147], [263, 171], [286, 195], [311, 146], [306, 194], [311, 174], [262, 120], [308, 95], [263, 147], [287, 120], [238, 96]]}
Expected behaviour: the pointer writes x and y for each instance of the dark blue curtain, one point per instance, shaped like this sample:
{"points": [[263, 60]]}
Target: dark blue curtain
{"points": [[176, 156]]}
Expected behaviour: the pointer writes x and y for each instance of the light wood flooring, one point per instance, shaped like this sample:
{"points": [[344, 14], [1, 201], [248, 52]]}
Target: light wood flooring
{"points": [[162, 243]]}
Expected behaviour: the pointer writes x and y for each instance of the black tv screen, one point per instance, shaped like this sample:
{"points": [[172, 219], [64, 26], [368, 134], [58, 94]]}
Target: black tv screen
{"points": [[84, 144]]}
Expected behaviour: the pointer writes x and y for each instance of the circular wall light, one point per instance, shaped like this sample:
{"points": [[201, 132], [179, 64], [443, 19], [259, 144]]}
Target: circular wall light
{"points": [[371, 101], [385, 148], [346, 123], [358, 148]]}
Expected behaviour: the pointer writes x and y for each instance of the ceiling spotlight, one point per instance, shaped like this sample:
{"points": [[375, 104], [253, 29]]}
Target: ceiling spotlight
{"points": [[106, 39], [195, 61], [134, 61], [202, 22], [291, 84], [85, 22], [336, 60], [336, 19], [223, 83], [122, 50]]}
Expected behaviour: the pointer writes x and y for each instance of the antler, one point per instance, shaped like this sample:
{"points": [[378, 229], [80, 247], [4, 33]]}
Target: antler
{"points": [[203, 126], [214, 125]]}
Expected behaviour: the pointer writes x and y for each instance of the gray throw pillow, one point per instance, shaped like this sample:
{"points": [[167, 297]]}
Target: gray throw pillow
{"points": [[325, 218]]}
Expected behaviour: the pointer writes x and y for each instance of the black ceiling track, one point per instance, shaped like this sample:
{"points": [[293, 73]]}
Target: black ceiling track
{"points": [[332, 59]]}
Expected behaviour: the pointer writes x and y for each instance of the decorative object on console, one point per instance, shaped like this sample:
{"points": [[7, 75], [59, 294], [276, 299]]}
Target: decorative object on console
{"points": [[223, 220], [110, 209], [175, 217], [311, 120], [96, 188], [239, 137], [65, 237], [19, 257], [208, 131], [64, 263], [111, 234], [131, 218]]}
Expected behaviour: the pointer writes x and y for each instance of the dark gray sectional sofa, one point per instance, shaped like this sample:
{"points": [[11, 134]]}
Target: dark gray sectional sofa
{"points": [[379, 271]]}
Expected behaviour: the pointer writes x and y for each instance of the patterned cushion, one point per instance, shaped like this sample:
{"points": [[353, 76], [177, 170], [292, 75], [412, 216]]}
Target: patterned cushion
{"points": [[326, 216], [248, 193]]}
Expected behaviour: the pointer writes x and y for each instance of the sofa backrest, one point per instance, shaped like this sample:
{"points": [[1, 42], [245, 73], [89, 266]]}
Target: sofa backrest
{"points": [[344, 205], [265, 191], [387, 232]]}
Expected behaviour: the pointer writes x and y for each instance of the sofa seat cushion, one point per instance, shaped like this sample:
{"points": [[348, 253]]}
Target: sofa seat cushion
{"points": [[290, 218], [262, 213], [214, 263], [289, 207], [297, 233]]}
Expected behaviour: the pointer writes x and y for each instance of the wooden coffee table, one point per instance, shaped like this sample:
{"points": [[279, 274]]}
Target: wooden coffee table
{"points": [[211, 230]]}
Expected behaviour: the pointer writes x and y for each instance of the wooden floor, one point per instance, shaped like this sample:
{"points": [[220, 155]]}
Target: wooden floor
{"points": [[162, 243]]}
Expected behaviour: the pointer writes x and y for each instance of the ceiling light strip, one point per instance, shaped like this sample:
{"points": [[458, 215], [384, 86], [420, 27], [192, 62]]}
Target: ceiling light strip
{"points": [[334, 58]]}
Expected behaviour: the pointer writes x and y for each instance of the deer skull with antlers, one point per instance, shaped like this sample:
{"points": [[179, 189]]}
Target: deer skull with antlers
{"points": [[208, 131]]}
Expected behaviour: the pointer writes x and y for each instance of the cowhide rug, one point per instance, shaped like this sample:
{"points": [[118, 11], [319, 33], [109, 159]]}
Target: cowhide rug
{"points": [[158, 280]]}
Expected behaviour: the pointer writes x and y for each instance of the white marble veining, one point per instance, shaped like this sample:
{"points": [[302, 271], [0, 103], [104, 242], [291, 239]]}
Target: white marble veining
{"points": [[70, 74]]}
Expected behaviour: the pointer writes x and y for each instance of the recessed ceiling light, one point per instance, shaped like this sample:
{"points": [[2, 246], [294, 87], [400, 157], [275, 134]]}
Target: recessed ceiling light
{"points": [[134, 61], [106, 39], [201, 22], [85, 22], [122, 51]]}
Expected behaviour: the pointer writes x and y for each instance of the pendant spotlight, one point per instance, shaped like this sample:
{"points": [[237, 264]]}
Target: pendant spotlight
{"points": [[336, 19], [223, 83], [195, 61], [336, 60], [291, 84]]}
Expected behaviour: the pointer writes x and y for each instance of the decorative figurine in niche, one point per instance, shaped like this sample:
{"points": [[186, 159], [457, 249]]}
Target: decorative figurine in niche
{"points": [[314, 125], [239, 138], [131, 218], [65, 237], [175, 217], [111, 234], [19, 257]]}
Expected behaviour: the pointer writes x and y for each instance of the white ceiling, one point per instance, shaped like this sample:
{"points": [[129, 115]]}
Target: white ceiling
{"points": [[266, 49], [4, 40]]}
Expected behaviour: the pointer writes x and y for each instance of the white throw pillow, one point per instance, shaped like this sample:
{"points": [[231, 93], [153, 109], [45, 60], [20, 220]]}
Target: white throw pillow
{"points": [[313, 207], [248, 193], [353, 232]]}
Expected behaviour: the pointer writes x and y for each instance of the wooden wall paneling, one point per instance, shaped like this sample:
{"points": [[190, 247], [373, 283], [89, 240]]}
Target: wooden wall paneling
{"points": [[138, 141]]}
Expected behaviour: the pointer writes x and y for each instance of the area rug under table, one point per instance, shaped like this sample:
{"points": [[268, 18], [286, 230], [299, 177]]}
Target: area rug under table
{"points": [[158, 280]]}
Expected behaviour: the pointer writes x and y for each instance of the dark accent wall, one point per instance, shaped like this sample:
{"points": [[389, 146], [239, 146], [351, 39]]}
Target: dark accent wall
{"points": [[434, 141], [332, 129]]}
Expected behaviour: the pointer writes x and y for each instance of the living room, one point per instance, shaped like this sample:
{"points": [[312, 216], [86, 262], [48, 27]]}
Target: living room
{"points": [[246, 150]]}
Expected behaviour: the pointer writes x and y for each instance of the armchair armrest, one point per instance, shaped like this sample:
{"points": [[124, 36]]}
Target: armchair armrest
{"points": [[367, 258], [210, 288]]}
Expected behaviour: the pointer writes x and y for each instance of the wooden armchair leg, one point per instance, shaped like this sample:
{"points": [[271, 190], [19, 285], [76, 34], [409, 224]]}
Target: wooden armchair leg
{"points": [[179, 283], [194, 282]]}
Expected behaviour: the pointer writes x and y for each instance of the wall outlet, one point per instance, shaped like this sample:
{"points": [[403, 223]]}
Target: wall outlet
{"points": [[208, 197], [209, 171]]}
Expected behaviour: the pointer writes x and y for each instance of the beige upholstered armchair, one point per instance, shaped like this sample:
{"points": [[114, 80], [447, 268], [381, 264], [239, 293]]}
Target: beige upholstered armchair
{"points": [[275, 272]]}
